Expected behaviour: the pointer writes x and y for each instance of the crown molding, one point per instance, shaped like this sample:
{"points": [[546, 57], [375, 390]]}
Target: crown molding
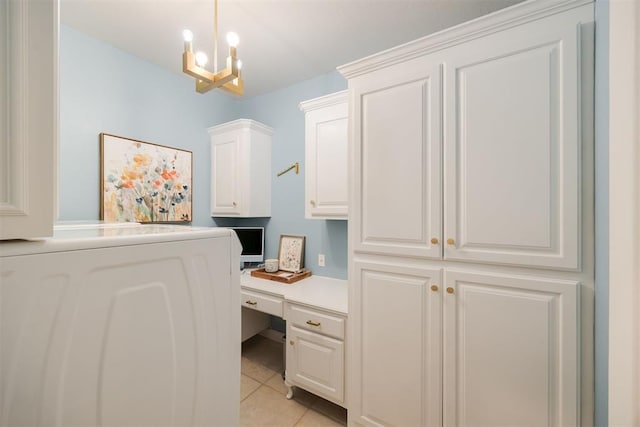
{"points": [[500, 20], [240, 124], [324, 101]]}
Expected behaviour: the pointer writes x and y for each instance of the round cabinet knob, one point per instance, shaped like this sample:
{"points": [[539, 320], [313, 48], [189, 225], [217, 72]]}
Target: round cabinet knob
{"points": [[292, 342], [234, 204], [434, 240], [434, 288], [450, 241], [312, 202], [450, 290]]}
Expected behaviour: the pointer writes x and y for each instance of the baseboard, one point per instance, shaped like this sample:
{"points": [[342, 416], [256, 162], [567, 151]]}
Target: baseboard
{"points": [[272, 334]]}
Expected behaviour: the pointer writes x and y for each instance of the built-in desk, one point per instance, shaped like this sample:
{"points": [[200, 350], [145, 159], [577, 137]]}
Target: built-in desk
{"points": [[315, 309], [320, 292]]}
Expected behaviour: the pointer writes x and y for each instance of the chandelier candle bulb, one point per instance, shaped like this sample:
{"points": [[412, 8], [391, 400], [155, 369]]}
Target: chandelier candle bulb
{"points": [[188, 38], [201, 59], [233, 39]]}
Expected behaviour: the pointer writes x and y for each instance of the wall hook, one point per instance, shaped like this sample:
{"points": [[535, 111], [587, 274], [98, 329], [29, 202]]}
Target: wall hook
{"points": [[295, 166]]}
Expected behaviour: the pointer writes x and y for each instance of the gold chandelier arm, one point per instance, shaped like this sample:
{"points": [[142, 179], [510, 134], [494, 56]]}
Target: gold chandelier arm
{"points": [[190, 67]]}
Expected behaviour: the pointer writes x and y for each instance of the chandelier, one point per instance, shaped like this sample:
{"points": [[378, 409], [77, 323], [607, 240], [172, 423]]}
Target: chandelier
{"points": [[229, 79]]}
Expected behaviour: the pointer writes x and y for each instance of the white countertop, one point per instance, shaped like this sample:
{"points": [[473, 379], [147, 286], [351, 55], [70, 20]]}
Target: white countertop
{"points": [[317, 291]]}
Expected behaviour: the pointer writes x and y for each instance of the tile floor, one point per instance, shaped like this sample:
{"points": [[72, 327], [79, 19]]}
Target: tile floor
{"points": [[263, 399]]}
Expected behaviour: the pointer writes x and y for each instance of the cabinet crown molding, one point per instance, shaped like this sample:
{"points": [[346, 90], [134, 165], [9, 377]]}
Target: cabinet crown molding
{"points": [[324, 101], [240, 124], [517, 14]]}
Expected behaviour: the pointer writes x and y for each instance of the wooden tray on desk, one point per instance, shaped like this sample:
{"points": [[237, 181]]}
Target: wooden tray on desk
{"points": [[281, 276]]}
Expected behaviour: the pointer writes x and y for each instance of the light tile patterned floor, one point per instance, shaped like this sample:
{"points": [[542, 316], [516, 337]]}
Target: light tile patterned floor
{"points": [[263, 399]]}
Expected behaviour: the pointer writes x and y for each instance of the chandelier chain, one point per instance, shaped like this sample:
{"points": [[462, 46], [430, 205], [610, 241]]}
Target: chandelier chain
{"points": [[215, 36]]}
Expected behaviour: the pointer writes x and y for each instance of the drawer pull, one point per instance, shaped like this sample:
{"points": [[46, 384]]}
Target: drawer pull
{"points": [[251, 302], [312, 323]]}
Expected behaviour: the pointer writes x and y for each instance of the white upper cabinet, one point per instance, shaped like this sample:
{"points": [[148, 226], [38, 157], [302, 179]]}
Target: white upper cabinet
{"points": [[326, 122], [28, 118], [241, 169], [472, 152]]}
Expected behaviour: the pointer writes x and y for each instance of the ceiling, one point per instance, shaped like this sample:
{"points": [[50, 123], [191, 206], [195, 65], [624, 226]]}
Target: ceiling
{"points": [[281, 41]]}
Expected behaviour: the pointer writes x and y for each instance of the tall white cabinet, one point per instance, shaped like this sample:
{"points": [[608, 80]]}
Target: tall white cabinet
{"points": [[470, 235], [241, 169]]}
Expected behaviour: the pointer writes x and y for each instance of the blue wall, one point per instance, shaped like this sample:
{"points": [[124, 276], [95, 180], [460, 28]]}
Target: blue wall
{"points": [[103, 89], [279, 109]]}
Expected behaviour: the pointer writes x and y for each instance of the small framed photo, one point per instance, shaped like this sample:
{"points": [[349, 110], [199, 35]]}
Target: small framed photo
{"points": [[291, 253]]}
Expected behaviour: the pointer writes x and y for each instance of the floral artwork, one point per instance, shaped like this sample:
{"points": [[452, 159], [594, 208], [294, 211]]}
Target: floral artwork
{"points": [[144, 182], [291, 253]]}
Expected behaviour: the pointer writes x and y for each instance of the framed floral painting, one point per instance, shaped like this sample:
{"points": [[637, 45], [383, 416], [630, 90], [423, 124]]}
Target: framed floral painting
{"points": [[291, 253], [144, 182]]}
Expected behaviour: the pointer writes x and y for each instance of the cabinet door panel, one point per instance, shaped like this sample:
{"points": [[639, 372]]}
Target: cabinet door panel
{"points": [[225, 198], [240, 169], [326, 160], [332, 140], [396, 161], [28, 118], [513, 148], [316, 363], [510, 354], [395, 344]]}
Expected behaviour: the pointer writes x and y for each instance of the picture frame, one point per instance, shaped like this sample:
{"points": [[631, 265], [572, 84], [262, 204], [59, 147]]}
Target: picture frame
{"points": [[291, 253], [144, 182]]}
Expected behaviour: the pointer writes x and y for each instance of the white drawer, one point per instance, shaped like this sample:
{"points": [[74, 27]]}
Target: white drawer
{"points": [[314, 320], [262, 302]]}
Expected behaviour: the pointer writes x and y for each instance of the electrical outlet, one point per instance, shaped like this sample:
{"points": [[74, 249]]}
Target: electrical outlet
{"points": [[321, 260]]}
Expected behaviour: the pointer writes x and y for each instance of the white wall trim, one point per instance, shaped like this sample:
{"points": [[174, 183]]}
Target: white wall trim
{"points": [[273, 335], [324, 101], [240, 124], [624, 213], [480, 27]]}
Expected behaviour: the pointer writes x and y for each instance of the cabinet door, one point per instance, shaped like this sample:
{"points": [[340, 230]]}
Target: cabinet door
{"points": [[511, 351], [513, 146], [316, 363], [326, 161], [28, 118], [396, 172], [225, 175], [394, 345]]}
